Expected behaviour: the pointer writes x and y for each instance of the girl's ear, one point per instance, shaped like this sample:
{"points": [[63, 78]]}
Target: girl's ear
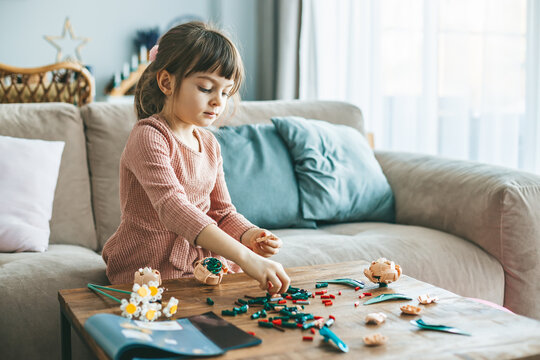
{"points": [[165, 82]]}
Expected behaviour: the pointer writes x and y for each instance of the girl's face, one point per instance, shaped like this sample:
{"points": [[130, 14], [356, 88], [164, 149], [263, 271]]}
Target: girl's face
{"points": [[201, 99]]}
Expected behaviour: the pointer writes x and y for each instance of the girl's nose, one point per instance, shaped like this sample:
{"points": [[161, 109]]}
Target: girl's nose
{"points": [[216, 100]]}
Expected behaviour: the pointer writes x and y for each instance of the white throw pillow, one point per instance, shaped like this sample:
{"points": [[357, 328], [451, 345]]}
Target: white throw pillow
{"points": [[28, 174]]}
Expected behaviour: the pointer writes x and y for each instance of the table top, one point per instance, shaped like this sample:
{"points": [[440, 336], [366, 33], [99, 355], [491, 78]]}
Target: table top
{"points": [[495, 334]]}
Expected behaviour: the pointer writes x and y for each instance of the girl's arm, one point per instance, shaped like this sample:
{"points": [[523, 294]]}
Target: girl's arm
{"points": [[230, 221], [270, 274]]}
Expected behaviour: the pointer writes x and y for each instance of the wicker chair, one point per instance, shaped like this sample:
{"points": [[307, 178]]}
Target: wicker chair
{"points": [[61, 82]]}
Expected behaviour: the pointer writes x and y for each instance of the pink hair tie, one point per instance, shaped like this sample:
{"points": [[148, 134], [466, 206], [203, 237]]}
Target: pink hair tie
{"points": [[153, 53]]}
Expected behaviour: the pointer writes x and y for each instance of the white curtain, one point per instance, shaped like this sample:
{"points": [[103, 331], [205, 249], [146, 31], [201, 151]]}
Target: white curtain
{"points": [[457, 78]]}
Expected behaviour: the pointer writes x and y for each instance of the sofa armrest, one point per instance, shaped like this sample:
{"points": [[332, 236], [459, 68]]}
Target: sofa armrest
{"points": [[497, 208]]}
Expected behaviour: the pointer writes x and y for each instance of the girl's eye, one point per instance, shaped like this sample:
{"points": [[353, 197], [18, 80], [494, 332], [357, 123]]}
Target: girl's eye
{"points": [[204, 90], [226, 94]]}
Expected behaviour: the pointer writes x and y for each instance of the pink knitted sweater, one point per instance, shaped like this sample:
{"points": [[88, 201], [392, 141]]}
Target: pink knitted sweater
{"points": [[168, 194]]}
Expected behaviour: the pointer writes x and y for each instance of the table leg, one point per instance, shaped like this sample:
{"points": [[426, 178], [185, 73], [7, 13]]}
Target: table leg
{"points": [[65, 330]]}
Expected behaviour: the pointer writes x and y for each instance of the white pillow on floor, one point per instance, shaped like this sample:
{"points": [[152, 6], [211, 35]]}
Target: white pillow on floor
{"points": [[28, 175]]}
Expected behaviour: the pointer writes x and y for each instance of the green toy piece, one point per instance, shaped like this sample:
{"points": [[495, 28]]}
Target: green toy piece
{"points": [[449, 329], [387, 297], [346, 281]]}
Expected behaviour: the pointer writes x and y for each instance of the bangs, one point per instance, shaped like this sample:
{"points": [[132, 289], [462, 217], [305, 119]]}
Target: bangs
{"points": [[217, 54]]}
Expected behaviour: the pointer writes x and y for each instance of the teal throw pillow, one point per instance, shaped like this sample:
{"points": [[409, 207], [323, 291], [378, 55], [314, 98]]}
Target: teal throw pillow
{"points": [[260, 176], [339, 178]]}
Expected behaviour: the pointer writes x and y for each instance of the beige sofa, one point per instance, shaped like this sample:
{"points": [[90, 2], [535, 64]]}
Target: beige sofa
{"points": [[471, 228]]}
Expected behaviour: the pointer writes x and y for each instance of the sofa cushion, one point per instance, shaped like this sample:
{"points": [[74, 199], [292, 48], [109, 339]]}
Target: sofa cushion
{"points": [[338, 175], [260, 175], [428, 255], [27, 192], [107, 129], [29, 287], [72, 221]]}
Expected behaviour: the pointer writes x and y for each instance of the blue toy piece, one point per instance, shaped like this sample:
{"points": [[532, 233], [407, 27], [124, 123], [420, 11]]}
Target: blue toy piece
{"points": [[329, 335]]}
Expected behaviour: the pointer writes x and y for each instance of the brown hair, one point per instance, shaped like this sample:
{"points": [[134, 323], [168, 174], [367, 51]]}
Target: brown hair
{"points": [[183, 50]]}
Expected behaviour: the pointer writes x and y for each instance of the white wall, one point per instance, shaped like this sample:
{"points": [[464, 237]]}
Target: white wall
{"points": [[111, 25]]}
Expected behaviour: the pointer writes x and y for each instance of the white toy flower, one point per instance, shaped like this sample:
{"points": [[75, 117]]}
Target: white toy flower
{"points": [[155, 291], [171, 308], [150, 311], [130, 308], [141, 293]]}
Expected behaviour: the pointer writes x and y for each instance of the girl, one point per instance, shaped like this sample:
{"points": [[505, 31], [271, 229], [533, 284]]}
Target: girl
{"points": [[175, 205]]}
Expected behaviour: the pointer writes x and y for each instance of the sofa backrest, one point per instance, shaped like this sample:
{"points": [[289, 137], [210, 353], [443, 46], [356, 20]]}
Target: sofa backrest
{"points": [[71, 221], [253, 112], [108, 126], [107, 129]]}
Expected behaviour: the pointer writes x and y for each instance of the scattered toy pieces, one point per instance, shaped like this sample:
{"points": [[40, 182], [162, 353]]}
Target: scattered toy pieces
{"points": [[375, 318], [411, 309], [307, 338], [236, 310], [209, 301], [321, 285], [383, 272], [375, 339], [258, 314]]}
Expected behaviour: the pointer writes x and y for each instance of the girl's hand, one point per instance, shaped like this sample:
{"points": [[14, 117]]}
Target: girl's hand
{"points": [[270, 274], [262, 242]]}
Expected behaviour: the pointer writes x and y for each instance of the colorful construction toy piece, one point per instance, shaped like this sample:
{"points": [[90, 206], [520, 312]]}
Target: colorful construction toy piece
{"points": [[329, 335], [375, 318], [387, 297], [347, 281], [438, 327], [383, 272], [426, 299], [144, 276], [375, 339], [209, 271], [410, 309]]}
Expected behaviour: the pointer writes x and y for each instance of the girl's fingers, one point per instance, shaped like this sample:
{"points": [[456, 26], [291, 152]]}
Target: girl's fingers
{"points": [[275, 283], [266, 285], [273, 243], [285, 281], [269, 250]]}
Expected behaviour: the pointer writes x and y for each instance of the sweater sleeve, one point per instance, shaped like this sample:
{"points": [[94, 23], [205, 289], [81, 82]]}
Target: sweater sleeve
{"points": [[221, 208], [148, 156]]}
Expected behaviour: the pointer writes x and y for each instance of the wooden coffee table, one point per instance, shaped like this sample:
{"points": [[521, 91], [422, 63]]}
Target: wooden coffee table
{"points": [[495, 334]]}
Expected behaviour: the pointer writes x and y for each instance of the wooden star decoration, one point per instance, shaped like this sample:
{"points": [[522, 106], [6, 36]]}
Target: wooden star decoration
{"points": [[73, 45]]}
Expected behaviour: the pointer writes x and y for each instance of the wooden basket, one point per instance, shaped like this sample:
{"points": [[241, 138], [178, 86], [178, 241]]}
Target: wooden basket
{"points": [[61, 82]]}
